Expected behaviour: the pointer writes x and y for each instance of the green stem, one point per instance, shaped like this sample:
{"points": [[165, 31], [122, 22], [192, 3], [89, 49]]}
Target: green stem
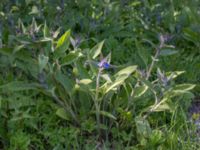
{"points": [[96, 101], [155, 57]]}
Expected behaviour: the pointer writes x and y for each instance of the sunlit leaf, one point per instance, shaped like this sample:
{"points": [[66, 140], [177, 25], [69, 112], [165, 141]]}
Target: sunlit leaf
{"points": [[117, 83], [174, 74], [126, 71], [85, 81], [183, 87], [62, 44], [96, 50]]}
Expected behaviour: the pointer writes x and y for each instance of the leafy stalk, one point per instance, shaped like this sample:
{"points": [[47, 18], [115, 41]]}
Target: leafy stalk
{"points": [[155, 57], [97, 107]]}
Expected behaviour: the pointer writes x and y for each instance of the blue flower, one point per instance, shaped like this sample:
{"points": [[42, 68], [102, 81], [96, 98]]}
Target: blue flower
{"points": [[104, 64]]}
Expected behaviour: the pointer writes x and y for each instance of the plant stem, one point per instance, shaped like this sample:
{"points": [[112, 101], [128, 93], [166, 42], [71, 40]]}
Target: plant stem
{"points": [[157, 101], [155, 57], [96, 101]]}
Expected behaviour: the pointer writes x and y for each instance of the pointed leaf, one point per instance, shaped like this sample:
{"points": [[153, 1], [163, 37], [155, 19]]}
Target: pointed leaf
{"points": [[46, 32], [119, 81], [62, 41], [126, 71], [107, 114], [96, 50], [142, 52], [183, 87], [70, 58], [62, 44]]}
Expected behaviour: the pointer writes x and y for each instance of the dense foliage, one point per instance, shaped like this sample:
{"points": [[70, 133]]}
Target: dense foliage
{"points": [[111, 74]]}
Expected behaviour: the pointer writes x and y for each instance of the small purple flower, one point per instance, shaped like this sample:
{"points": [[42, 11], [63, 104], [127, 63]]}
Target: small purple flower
{"points": [[104, 64]]}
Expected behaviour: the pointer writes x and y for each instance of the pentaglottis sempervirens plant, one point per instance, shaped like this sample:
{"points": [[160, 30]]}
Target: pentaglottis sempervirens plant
{"points": [[87, 86], [56, 92]]}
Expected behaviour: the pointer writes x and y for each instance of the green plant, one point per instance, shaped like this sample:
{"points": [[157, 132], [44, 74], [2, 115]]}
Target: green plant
{"points": [[56, 87], [83, 86]]}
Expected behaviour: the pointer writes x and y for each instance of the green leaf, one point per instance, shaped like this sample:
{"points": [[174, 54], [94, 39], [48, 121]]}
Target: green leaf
{"points": [[24, 101], [65, 81], [85, 81], [42, 61], [106, 77], [120, 80], [143, 127], [19, 86], [147, 83], [126, 71], [191, 35], [62, 41], [70, 58], [18, 48], [143, 53], [156, 137], [6, 51], [168, 52], [107, 114], [174, 74], [139, 91], [62, 113], [162, 107], [62, 44], [183, 87], [96, 50], [0, 102], [81, 70], [46, 32]]}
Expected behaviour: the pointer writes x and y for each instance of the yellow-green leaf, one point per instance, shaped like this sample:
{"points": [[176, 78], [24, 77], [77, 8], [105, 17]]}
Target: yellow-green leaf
{"points": [[96, 50], [127, 71]]}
